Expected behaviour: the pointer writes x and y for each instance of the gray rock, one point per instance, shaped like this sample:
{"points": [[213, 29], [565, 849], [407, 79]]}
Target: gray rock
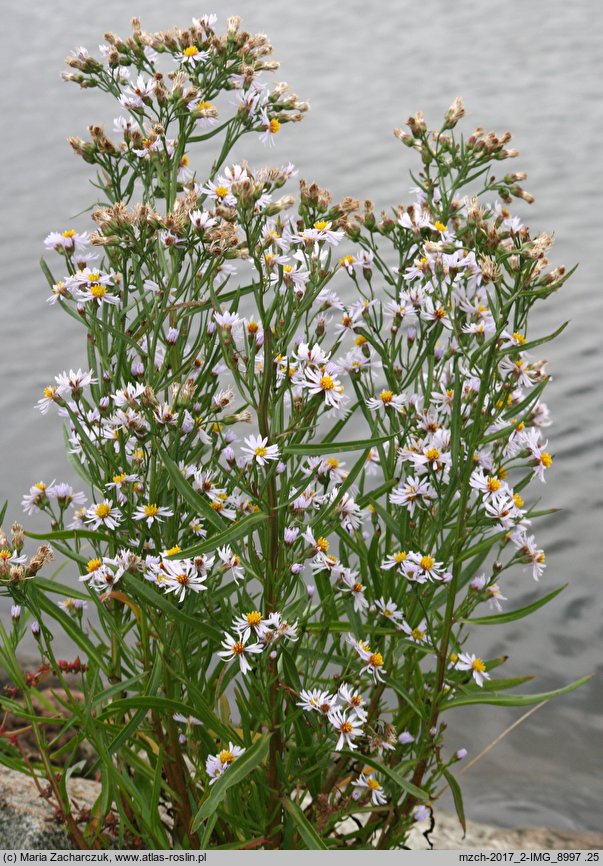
{"points": [[27, 820]]}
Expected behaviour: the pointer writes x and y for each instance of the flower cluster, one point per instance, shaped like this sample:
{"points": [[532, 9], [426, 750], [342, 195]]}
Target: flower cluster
{"points": [[305, 433]]}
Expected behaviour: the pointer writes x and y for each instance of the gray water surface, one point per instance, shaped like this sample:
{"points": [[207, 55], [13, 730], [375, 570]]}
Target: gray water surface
{"points": [[533, 67]]}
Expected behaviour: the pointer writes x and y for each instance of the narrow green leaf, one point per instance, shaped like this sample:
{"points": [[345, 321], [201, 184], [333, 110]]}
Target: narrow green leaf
{"points": [[60, 588], [336, 447], [485, 697], [310, 837], [71, 535], [457, 797], [235, 774], [512, 615]]}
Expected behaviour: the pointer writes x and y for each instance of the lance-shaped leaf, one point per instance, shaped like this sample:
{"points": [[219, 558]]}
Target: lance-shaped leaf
{"points": [[512, 615], [309, 836], [486, 697], [317, 448]]}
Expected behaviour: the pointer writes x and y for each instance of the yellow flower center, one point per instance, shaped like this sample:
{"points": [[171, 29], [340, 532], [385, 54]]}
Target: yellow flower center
{"points": [[432, 454], [332, 462], [151, 510], [226, 756], [493, 485], [478, 665], [191, 51], [252, 327], [400, 556], [360, 340], [184, 161], [440, 226], [518, 500], [519, 338], [373, 784], [221, 191], [182, 579], [238, 648], [117, 479], [204, 106], [40, 486], [546, 459], [386, 396], [70, 233], [274, 125], [50, 391], [357, 587], [261, 451], [93, 565], [345, 261], [103, 510], [418, 634], [5, 555], [427, 562], [346, 728], [254, 618], [97, 290], [326, 382], [322, 544], [172, 550], [321, 225], [376, 660], [440, 313]]}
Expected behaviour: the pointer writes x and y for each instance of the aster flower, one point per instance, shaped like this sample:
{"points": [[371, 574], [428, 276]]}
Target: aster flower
{"points": [[353, 701], [182, 575], [103, 514], [318, 700], [347, 726], [414, 492], [324, 382], [248, 622], [68, 241], [370, 783], [477, 666], [386, 400], [238, 648], [73, 383], [231, 562], [216, 765], [152, 513], [259, 451]]}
